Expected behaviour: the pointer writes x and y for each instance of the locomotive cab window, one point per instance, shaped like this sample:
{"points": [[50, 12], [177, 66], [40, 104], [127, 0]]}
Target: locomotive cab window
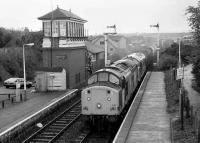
{"points": [[113, 79], [103, 76], [92, 79]]}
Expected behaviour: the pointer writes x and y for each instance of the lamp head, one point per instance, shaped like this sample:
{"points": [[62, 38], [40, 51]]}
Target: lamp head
{"points": [[29, 44]]}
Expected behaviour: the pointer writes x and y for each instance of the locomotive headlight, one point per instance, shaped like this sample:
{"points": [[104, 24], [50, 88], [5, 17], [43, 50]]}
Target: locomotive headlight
{"points": [[108, 98], [88, 98], [98, 105]]}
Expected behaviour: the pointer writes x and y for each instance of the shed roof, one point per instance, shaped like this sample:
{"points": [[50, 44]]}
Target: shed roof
{"points": [[49, 69], [59, 14]]}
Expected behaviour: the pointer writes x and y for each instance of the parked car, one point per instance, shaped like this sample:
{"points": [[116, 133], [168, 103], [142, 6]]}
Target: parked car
{"points": [[11, 82]]}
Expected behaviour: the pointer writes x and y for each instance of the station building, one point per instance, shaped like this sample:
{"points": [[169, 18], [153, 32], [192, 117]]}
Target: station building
{"points": [[64, 47]]}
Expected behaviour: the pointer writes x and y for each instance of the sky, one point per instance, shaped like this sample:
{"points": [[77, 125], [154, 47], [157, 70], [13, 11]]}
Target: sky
{"points": [[130, 16]]}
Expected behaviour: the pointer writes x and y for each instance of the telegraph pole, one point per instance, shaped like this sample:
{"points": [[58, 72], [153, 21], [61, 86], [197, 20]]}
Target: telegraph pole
{"points": [[158, 39], [106, 42], [181, 82]]}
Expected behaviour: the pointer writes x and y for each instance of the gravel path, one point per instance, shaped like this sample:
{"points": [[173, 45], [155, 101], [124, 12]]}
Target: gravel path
{"points": [[187, 82]]}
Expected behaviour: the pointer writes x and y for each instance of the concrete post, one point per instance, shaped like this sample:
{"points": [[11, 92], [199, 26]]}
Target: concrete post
{"points": [[17, 91]]}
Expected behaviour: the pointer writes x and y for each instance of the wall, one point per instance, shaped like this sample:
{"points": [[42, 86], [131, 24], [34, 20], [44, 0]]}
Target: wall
{"points": [[73, 60], [111, 44]]}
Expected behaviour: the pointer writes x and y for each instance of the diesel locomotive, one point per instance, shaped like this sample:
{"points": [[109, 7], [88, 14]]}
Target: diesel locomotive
{"points": [[109, 89]]}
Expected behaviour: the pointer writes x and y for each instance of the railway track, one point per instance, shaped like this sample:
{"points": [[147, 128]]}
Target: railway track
{"points": [[52, 131]]}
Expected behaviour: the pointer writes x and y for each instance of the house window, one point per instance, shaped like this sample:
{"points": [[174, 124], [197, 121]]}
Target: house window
{"points": [[102, 42], [77, 78], [47, 28], [62, 28], [55, 29]]}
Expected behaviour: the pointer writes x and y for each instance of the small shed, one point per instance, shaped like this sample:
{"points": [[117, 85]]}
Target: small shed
{"points": [[50, 79]]}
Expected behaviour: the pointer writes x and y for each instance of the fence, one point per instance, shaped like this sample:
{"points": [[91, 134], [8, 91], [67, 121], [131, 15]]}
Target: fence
{"points": [[196, 125], [11, 98], [186, 112]]}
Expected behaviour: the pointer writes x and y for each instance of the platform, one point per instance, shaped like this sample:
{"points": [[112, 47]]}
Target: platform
{"points": [[18, 113], [149, 122]]}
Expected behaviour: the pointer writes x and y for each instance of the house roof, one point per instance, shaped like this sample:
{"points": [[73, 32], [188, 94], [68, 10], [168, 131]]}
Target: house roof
{"points": [[93, 48], [115, 38], [96, 38], [59, 14], [49, 69]]}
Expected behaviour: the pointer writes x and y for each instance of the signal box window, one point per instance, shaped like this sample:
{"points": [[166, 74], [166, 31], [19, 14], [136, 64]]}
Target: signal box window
{"points": [[62, 28], [47, 28], [55, 29]]}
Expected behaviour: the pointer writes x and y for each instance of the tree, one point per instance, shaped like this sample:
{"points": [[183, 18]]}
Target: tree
{"points": [[194, 21], [5, 37]]}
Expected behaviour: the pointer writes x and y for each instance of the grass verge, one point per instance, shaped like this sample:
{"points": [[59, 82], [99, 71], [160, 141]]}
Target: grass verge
{"points": [[172, 96]]}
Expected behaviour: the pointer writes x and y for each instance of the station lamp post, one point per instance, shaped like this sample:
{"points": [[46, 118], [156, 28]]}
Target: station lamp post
{"points": [[106, 42], [24, 68]]}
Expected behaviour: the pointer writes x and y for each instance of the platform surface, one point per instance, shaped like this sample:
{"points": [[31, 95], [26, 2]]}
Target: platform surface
{"points": [[151, 123], [17, 112]]}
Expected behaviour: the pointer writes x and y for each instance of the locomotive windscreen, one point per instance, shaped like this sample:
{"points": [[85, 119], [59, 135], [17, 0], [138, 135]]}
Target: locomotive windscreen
{"points": [[103, 77]]}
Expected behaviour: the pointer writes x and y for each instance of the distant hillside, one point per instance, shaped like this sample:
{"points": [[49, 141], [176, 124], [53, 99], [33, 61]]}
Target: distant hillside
{"points": [[162, 35]]}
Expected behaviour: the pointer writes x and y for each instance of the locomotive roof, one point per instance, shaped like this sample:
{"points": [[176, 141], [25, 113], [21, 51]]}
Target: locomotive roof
{"points": [[137, 56], [118, 70], [114, 71], [127, 61], [115, 68], [133, 60]]}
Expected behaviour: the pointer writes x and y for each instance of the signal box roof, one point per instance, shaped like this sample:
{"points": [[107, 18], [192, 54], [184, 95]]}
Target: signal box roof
{"points": [[60, 14]]}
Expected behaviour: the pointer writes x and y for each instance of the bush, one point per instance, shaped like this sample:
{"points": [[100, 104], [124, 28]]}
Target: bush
{"points": [[196, 71], [167, 62]]}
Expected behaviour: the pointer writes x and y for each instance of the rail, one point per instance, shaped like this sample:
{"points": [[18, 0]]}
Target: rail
{"points": [[57, 126]]}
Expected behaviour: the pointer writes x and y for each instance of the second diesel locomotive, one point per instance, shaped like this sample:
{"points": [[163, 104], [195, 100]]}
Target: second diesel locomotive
{"points": [[109, 89]]}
